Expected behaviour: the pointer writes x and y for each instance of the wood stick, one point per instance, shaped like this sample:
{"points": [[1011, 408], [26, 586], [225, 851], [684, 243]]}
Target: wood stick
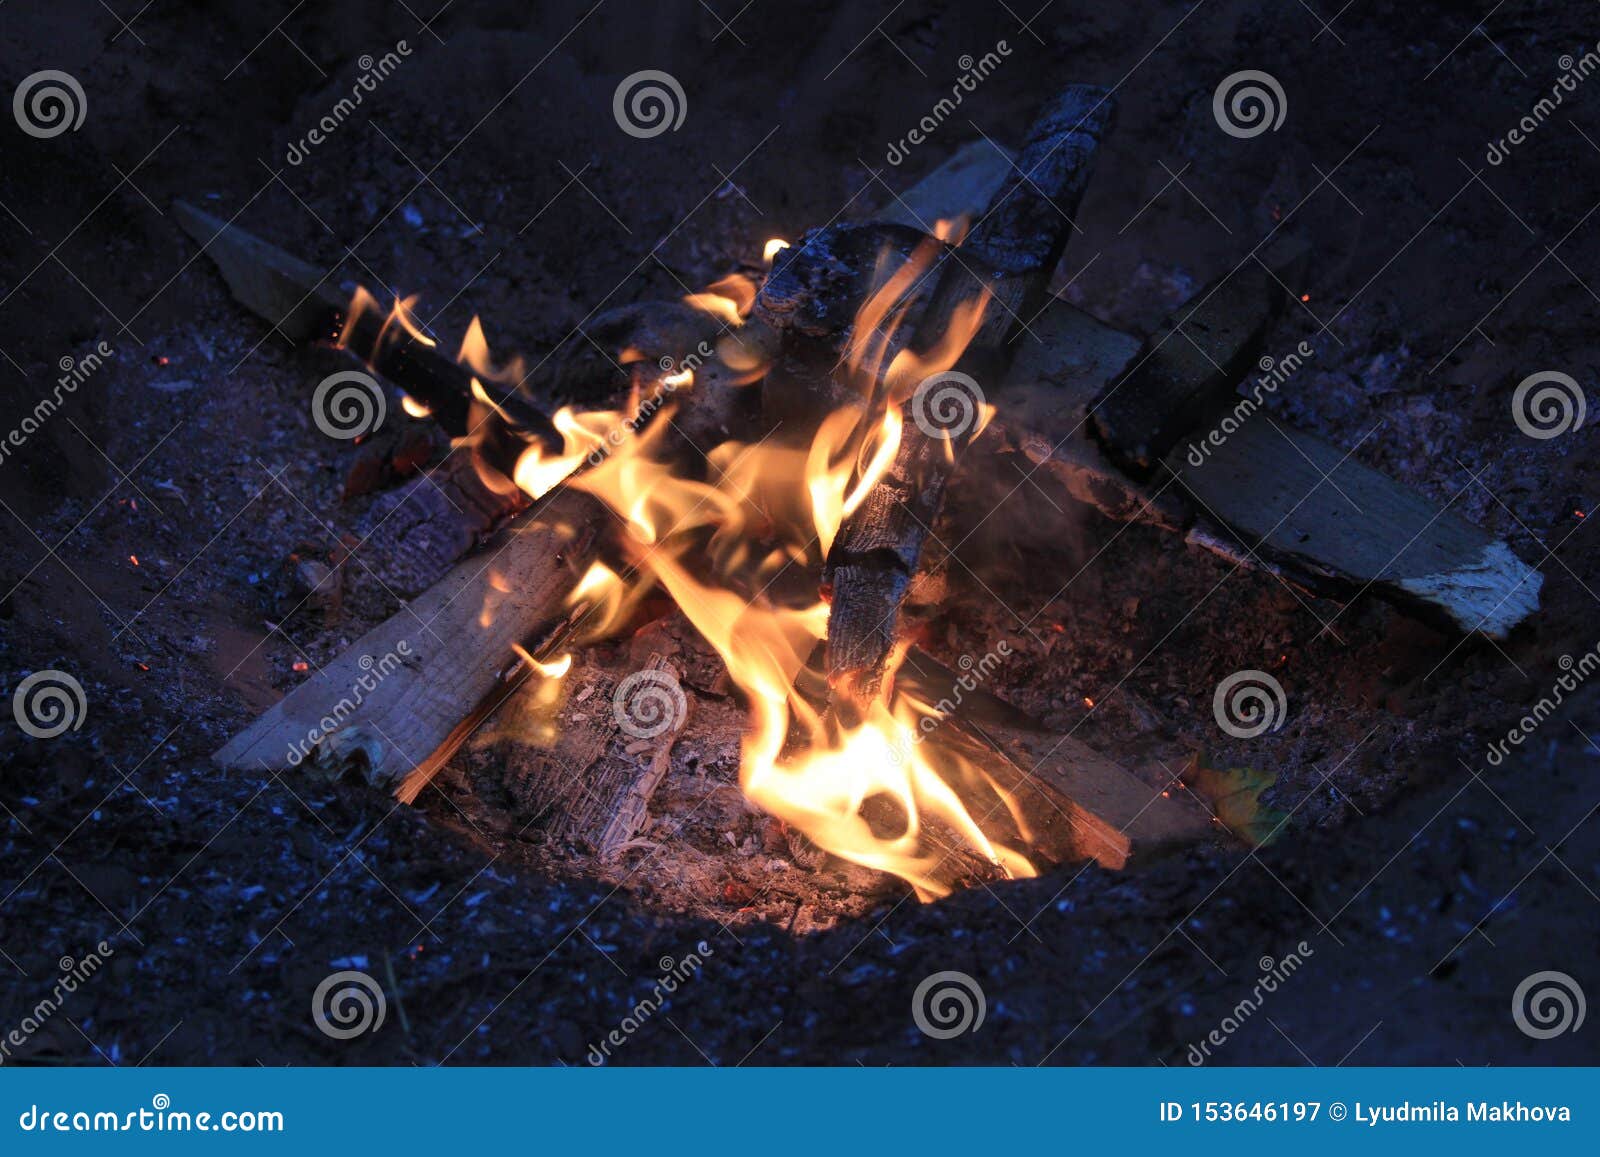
{"points": [[1196, 357], [395, 697], [1006, 261]]}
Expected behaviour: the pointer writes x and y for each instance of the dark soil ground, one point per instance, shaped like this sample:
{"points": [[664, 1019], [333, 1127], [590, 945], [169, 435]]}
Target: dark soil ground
{"points": [[146, 526]]}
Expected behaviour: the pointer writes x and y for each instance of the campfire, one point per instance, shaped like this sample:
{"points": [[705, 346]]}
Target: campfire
{"points": [[696, 532]]}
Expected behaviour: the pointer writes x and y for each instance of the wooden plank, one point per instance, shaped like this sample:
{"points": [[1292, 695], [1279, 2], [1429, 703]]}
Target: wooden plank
{"points": [[395, 697], [562, 763], [1043, 410], [1197, 356], [1006, 262], [1077, 803], [1345, 528], [960, 187]]}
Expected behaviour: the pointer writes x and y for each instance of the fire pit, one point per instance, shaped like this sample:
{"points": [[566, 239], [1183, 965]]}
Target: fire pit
{"points": [[699, 471]]}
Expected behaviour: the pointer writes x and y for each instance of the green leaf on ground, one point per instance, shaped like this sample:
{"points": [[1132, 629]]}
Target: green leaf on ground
{"points": [[1234, 795]]}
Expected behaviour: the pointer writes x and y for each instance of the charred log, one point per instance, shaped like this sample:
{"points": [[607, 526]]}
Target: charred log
{"points": [[1004, 268]]}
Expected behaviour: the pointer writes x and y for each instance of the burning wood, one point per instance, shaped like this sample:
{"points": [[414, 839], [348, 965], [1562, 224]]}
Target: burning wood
{"points": [[724, 499]]}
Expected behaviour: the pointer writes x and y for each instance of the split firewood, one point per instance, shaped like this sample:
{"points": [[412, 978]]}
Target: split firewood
{"points": [[1431, 562], [1075, 804], [582, 766], [298, 302], [1340, 528], [1196, 357], [1002, 269], [410, 537], [398, 697]]}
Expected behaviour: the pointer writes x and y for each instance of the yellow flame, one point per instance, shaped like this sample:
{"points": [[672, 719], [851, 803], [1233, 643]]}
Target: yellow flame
{"points": [[413, 407], [772, 248], [866, 792], [554, 669], [878, 790]]}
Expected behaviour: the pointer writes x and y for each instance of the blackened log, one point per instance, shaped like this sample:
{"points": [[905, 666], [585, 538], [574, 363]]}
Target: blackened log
{"points": [[1005, 263], [1197, 357]]}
